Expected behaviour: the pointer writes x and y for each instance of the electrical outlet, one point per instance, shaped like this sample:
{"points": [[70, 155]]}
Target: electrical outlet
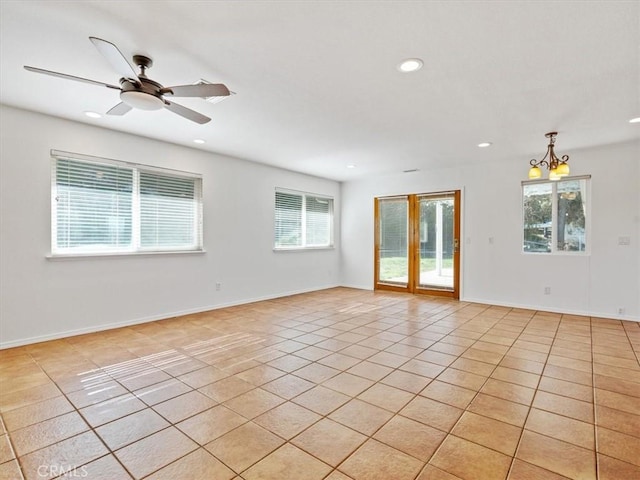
{"points": [[621, 310], [547, 290], [218, 286]]}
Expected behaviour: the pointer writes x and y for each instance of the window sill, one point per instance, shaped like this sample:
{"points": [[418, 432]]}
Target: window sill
{"points": [[76, 256], [302, 249], [557, 254]]}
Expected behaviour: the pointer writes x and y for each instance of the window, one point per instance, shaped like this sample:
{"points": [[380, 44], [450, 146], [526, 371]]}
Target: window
{"points": [[104, 206], [303, 220], [556, 215]]}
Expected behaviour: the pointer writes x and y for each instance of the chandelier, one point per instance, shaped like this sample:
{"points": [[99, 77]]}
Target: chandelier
{"points": [[558, 167]]}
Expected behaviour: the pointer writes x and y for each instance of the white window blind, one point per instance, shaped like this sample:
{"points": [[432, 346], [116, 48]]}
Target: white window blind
{"points": [[302, 220], [169, 211], [288, 220], [102, 206], [93, 206], [318, 221]]}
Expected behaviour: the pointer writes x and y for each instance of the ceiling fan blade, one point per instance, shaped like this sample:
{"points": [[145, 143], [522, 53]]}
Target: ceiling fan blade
{"points": [[203, 90], [186, 112], [69, 77], [119, 109], [115, 58]]}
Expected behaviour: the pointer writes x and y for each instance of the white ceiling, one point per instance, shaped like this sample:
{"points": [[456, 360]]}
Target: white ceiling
{"points": [[316, 82]]}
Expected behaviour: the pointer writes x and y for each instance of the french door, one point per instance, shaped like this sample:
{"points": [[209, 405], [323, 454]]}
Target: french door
{"points": [[417, 243]]}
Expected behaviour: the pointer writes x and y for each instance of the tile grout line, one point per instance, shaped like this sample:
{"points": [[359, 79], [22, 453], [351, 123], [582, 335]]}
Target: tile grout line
{"points": [[91, 429], [11, 447], [470, 402], [128, 388], [371, 436], [530, 407], [391, 326], [415, 395], [595, 399]]}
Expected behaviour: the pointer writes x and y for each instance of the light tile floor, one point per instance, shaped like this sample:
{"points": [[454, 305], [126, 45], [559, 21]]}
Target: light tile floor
{"points": [[334, 384]]}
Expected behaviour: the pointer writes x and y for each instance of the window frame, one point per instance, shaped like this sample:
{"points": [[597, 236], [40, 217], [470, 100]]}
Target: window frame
{"points": [[135, 247], [303, 221], [554, 217]]}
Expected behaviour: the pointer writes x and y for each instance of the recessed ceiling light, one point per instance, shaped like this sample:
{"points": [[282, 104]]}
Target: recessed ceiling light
{"points": [[351, 166], [93, 114], [410, 65], [484, 144], [198, 141], [635, 120]]}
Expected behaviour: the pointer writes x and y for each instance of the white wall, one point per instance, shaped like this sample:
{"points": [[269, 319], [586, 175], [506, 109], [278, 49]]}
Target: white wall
{"points": [[42, 298], [499, 273]]}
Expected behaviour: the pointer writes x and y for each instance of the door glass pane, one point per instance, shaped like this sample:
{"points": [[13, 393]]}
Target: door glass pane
{"points": [[393, 251], [436, 232], [538, 207]]}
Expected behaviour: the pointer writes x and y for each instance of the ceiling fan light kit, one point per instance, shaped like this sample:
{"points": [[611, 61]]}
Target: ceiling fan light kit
{"points": [[141, 100], [140, 92]]}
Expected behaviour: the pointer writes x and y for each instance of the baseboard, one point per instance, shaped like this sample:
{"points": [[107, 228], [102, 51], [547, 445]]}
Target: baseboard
{"points": [[358, 287], [153, 318], [584, 313], [206, 308], [484, 301]]}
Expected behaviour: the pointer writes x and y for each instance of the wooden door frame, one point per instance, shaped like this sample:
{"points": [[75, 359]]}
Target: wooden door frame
{"points": [[413, 241], [376, 250], [455, 293]]}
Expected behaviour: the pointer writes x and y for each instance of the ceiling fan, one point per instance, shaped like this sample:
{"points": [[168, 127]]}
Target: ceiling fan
{"points": [[139, 91]]}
